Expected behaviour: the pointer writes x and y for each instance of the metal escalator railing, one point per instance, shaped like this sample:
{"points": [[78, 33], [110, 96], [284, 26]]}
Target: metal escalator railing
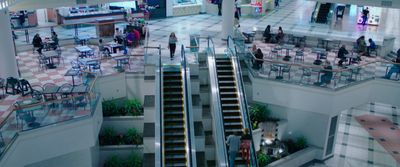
{"points": [[242, 96], [315, 12], [222, 156], [159, 117], [191, 151]]}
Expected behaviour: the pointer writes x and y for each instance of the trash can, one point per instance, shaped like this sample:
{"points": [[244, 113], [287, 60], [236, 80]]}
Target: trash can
{"points": [[194, 41]]}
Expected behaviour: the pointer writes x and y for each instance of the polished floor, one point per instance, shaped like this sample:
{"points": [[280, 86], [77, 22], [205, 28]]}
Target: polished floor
{"points": [[355, 146]]}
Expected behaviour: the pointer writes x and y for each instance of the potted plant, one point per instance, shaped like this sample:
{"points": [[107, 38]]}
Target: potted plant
{"points": [[109, 107], [133, 161], [258, 114], [133, 107], [263, 159], [133, 137], [301, 143], [107, 137], [114, 161]]}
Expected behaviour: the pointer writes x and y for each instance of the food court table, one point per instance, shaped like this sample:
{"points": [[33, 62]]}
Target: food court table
{"points": [[288, 48], [280, 73], [113, 46], [319, 52], [83, 50], [83, 39], [72, 73], [351, 57], [50, 55]]}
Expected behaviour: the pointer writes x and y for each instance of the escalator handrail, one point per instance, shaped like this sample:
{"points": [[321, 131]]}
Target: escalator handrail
{"points": [[218, 123], [314, 14], [159, 154], [243, 100], [191, 151]]}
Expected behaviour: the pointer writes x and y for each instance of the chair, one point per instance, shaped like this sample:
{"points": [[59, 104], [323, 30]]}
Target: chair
{"points": [[273, 68], [13, 85], [46, 96], [286, 69], [37, 95], [66, 86], [59, 57], [97, 67], [274, 54], [306, 73], [303, 41], [42, 61], [299, 55], [125, 62], [321, 43], [291, 39], [26, 87]]}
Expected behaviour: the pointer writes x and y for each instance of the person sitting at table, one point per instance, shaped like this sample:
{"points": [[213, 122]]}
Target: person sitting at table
{"points": [[103, 49], [267, 34], [130, 38], [342, 55], [327, 74], [54, 38], [254, 49], [137, 37], [37, 43], [395, 67], [280, 35], [118, 36], [361, 45], [259, 56], [372, 47]]}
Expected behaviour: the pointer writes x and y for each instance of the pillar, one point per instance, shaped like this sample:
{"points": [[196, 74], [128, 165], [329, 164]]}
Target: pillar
{"points": [[228, 12], [8, 61]]}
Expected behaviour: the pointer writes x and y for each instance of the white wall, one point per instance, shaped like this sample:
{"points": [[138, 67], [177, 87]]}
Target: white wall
{"points": [[80, 158], [112, 86], [137, 87]]}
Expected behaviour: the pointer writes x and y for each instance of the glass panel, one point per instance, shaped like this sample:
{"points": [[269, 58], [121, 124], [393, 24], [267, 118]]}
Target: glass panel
{"points": [[329, 147], [332, 128]]}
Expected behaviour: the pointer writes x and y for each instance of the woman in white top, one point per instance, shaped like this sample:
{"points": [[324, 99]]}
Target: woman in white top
{"points": [[172, 44]]}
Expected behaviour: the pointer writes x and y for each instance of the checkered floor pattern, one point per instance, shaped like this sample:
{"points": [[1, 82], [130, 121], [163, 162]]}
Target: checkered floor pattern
{"points": [[296, 72], [355, 146]]}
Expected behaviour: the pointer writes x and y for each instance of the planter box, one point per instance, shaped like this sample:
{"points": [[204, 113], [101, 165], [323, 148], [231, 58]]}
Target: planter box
{"points": [[296, 159], [257, 136], [121, 124], [122, 151]]}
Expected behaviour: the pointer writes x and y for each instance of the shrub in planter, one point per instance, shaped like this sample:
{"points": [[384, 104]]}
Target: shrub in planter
{"points": [[133, 107], [108, 136], [114, 161], [133, 161], [109, 107], [133, 137], [301, 143], [263, 159], [258, 113]]}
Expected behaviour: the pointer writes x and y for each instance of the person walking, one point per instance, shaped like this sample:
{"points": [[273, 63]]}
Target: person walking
{"points": [[276, 3], [245, 145], [365, 14], [238, 4], [172, 44], [233, 142]]}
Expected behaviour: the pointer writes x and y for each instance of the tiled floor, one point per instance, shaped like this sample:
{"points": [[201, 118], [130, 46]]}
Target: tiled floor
{"points": [[355, 146]]}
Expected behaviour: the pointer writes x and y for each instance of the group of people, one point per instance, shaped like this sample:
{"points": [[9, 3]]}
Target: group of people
{"points": [[236, 142], [361, 48], [131, 37], [269, 38], [38, 43]]}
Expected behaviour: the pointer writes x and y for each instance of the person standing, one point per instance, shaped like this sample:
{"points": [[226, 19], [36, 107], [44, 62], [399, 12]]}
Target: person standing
{"points": [[237, 23], [219, 3], [245, 145], [172, 44], [276, 3], [238, 4], [365, 14], [342, 55], [233, 142]]}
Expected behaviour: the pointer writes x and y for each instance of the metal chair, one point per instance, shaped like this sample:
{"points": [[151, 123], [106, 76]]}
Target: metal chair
{"points": [[26, 87], [286, 69], [306, 73], [51, 96], [273, 68], [13, 85], [42, 61], [299, 55]]}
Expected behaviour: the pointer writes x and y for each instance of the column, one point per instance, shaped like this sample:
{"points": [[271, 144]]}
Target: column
{"points": [[8, 62], [228, 12]]}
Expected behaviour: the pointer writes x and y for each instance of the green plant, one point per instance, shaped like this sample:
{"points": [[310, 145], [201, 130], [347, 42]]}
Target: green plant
{"points": [[133, 107], [114, 161], [259, 113], [108, 136], [109, 107], [133, 137], [263, 159], [301, 143], [133, 161]]}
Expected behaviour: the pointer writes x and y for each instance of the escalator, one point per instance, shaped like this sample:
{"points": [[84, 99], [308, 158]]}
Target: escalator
{"points": [[174, 121], [175, 146], [229, 104], [323, 13]]}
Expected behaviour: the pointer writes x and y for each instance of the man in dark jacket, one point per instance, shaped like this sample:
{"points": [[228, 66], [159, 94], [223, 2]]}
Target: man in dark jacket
{"points": [[342, 55], [37, 43], [219, 3]]}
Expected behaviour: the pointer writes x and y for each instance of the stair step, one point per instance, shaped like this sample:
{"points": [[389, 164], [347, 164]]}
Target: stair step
{"points": [[173, 120]]}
